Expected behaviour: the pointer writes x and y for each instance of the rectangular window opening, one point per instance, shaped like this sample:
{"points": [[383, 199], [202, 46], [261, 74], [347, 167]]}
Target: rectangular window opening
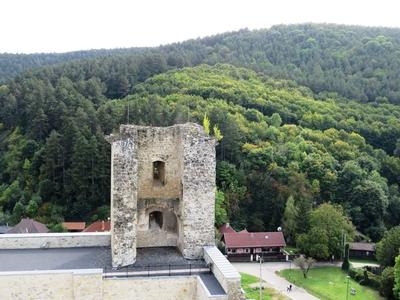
{"points": [[159, 172]]}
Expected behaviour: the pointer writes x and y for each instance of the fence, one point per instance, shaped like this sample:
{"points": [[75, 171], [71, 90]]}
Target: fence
{"points": [[157, 270]]}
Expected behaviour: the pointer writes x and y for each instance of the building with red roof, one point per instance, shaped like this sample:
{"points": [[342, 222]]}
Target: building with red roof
{"points": [[226, 228], [247, 246], [74, 226], [99, 226]]}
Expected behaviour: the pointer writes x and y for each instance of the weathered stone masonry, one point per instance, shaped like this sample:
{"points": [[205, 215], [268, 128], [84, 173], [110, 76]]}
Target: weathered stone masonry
{"points": [[162, 190]]}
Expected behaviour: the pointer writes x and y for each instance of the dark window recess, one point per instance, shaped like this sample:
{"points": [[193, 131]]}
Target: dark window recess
{"points": [[159, 172], [155, 220]]}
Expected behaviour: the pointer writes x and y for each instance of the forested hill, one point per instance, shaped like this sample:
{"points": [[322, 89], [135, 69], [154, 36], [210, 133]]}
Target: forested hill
{"points": [[361, 63], [279, 143], [12, 65]]}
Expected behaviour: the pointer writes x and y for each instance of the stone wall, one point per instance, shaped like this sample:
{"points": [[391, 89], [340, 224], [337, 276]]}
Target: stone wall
{"points": [[189, 157], [198, 196], [227, 276], [124, 185], [156, 238], [166, 236], [165, 288], [90, 285], [159, 144], [51, 285], [54, 240]]}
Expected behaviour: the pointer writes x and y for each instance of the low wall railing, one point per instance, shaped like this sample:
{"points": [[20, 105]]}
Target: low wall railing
{"points": [[157, 270], [55, 240]]}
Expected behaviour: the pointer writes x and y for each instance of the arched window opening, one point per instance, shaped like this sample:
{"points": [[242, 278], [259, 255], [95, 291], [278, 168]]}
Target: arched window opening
{"points": [[155, 220], [159, 172]]}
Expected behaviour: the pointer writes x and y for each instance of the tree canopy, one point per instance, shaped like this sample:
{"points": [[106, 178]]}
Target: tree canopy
{"points": [[355, 62], [325, 237], [388, 248]]}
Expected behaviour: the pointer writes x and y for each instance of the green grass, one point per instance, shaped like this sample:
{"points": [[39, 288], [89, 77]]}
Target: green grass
{"points": [[329, 283], [251, 287], [292, 250]]}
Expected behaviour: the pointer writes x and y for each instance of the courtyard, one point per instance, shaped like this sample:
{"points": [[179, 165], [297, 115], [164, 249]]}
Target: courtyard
{"points": [[325, 281]]}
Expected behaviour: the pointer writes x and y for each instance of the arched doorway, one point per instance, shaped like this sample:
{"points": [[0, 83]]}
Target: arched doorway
{"points": [[158, 227]]}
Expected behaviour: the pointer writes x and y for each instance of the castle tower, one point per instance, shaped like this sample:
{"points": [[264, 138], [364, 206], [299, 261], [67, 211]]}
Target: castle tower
{"points": [[162, 190]]}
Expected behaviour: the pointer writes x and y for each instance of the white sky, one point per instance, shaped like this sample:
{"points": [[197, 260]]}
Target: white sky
{"points": [[65, 25]]}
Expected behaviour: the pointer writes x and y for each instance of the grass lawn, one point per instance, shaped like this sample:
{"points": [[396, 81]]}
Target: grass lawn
{"points": [[250, 285], [292, 250], [329, 283]]}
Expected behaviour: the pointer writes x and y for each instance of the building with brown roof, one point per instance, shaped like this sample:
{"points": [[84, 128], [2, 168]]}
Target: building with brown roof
{"points": [[362, 250], [29, 226], [99, 226], [74, 226], [247, 246]]}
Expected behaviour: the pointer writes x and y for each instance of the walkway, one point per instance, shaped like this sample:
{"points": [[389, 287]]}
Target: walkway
{"points": [[212, 284], [273, 280], [88, 258]]}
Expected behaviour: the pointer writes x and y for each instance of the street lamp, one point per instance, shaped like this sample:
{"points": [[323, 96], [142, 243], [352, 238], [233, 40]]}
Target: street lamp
{"points": [[347, 290], [260, 258]]}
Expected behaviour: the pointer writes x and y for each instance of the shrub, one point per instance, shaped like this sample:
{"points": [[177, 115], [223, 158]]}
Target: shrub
{"points": [[363, 277], [388, 248], [57, 228], [374, 269], [356, 274], [396, 289], [346, 262], [374, 281], [387, 283]]}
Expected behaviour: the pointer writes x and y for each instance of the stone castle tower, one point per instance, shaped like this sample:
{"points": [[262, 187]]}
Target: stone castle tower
{"points": [[162, 190]]}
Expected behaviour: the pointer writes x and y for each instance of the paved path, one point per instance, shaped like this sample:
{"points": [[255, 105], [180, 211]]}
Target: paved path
{"points": [[363, 264], [273, 280]]}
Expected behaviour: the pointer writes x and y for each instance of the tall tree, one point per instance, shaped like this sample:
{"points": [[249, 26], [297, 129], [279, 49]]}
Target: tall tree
{"points": [[388, 248], [328, 224], [289, 220]]}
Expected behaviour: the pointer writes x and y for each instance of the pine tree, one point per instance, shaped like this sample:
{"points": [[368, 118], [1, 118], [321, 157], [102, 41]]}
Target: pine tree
{"points": [[52, 169], [81, 165]]}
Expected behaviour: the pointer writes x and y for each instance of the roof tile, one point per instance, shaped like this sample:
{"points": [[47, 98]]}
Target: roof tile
{"points": [[362, 246], [74, 225], [254, 239], [29, 226], [99, 226], [226, 228]]}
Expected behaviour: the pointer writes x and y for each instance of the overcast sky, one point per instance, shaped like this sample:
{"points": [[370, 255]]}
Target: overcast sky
{"points": [[65, 25]]}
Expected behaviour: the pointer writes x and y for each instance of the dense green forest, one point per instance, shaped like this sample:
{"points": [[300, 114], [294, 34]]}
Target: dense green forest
{"points": [[355, 62], [286, 143], [12, 65]]}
